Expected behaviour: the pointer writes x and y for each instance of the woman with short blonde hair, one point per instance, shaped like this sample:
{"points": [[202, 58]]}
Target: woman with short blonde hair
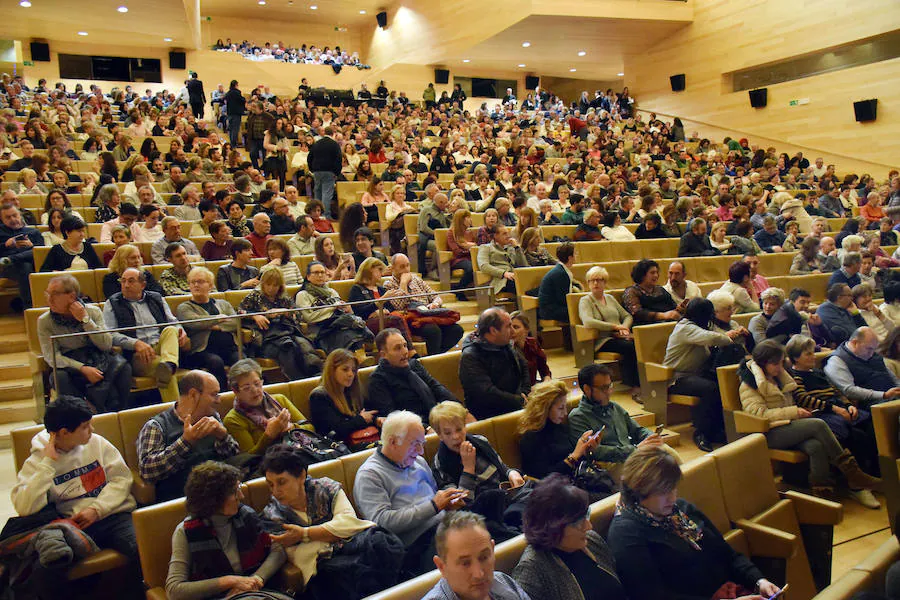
{"points": [[127, 256]]}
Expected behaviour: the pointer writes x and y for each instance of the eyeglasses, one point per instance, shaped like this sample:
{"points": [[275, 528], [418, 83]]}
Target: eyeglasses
{"points": [[579, 521], [606, 387], [249, 387]]}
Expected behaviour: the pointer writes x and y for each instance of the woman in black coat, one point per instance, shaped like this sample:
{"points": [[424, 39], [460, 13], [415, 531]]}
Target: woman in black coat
{"points": [[74, 253], [665, 547]]}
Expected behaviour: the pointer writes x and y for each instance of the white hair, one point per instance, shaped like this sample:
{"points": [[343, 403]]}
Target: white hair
{"points": [[720, 299], [848, 241], [397, 425]]}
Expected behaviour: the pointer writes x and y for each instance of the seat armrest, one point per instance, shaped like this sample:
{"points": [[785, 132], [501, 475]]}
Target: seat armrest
{"points": [[767, 541], [814, 511], [585, 334], [143, 492], [657, 372], [747, 423], [528, 302]]}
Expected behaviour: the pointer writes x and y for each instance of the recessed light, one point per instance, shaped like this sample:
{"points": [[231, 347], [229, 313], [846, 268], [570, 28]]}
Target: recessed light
{"points": [[313, 7], [82, 33], [571, 70], [25, 4], [262, 2], [167, 39], [122, 9], [522, 66], [582, 53], [620, 74], [362, 12], [465, 60], [526, 44]]}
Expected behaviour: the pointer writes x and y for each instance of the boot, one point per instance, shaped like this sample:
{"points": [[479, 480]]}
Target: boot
{"points": [[856, 477]]}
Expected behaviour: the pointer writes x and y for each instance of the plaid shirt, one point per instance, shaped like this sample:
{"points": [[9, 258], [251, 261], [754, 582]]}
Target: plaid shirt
{"points": [[174, 284], [158, 461], [416, 286]]}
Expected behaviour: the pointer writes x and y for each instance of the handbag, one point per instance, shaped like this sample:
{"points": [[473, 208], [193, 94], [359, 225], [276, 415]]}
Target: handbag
{"points": [[594, 479], [314, 446], [363, 439]]}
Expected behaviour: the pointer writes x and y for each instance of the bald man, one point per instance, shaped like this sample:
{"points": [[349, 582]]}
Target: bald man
{"points": [[859, 373], [262, 227]]}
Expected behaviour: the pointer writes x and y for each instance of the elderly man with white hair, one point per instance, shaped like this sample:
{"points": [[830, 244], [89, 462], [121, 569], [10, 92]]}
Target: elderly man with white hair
{"points": [[395, 489], [540, 193], [859, 373]]}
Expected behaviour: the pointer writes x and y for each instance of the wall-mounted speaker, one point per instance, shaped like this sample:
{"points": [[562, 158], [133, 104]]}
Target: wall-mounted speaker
{"points": [[532, 81], [177, 60], [865, 110], [759, 98], [442, 76], [677, 82], [40, 51], [381, 18]]}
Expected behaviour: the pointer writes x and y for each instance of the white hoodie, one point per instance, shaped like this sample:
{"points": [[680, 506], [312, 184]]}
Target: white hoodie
{"points": [[90, 476]]}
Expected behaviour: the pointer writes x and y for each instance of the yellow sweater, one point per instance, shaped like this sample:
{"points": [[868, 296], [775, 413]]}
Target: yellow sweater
{"points": [[250, 436]]}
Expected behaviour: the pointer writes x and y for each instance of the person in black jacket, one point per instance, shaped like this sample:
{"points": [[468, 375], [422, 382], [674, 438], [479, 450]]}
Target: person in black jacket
{"points": [[494, 376], [336, 406], [402, 383], [558, 282], [695, 242], [74, 253], [324, 162], [17, 244], [665, 547], [235, 106], [651, 228], [196, 95]]}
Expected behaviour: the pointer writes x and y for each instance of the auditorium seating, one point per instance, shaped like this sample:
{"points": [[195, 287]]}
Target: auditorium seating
{"points": [[886, 420]]}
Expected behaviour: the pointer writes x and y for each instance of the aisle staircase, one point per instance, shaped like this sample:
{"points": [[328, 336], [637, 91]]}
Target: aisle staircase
{"points": [[17, 404]]}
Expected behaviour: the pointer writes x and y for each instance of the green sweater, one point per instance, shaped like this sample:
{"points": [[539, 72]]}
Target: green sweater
{"points": [[250, 437], [622, 434]]}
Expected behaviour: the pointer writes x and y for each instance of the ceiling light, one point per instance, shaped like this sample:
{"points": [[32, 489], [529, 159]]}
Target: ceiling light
{"points": [[362, 12], [313, 7], [522, 66], [620, 74], [582, 53], [167, 39], [571, 70], [25, 4], [82, 33], [526, 44], [465, 60], [262, 2], [122, 9]]}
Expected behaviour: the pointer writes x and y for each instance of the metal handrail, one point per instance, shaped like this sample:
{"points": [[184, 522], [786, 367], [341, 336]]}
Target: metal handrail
{"points": [[54, 339]]}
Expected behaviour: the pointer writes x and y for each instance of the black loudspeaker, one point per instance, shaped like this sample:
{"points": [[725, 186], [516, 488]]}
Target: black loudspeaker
{"points": [[865, 110], [177, 60], [759, 98], [442, 76], [531, 82], [40, 52], [382, 19], [677, 82]]}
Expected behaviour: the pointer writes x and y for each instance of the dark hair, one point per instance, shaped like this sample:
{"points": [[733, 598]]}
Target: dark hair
{"points": [[553, 505], [738, 271], [206, 206], [208, 486], [565, 251], [364, 231], [283, 246], [892, 292], [699, 311], [587, 373], [834, 292], [798, 293], [233, 201], [641, 269], [266, 196], [239, 245], [70, 223], [282, 458], [313, 204], [768, 352], [353, 217], [67, 412], [128, 209], [743, 228], [171, 248], [381, 338], [609, 219], [654, 217], [147, 209]]}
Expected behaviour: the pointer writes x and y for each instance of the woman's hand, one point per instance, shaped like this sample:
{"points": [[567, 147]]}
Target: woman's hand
{"points": [[261, 322], [467, 456], [586, 443], [842, 412], [767, 588], [368, 415], [802, 413], [278, 424], [293, 534]]}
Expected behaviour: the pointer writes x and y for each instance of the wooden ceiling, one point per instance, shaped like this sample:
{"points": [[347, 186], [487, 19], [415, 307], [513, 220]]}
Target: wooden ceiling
{"points": [[327, 12], [146, 23], [556, 42]]}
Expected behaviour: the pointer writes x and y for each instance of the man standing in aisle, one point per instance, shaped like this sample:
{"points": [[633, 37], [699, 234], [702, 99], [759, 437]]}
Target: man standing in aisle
{"points": [[324, 162], [196, 95]]}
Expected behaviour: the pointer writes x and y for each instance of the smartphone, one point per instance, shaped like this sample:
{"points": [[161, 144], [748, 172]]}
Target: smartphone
{"points": [[599, 433], [779, 594]]}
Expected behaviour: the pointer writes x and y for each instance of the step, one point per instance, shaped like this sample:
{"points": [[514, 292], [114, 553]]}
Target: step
{"points": [[17, 411], [13, 342], [14, 365], [6, 428], [16, 389], [12, 324], [468, 307]]}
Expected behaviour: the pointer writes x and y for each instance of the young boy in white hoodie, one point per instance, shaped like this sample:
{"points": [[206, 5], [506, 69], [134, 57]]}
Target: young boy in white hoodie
{"points": [[85, 476]]}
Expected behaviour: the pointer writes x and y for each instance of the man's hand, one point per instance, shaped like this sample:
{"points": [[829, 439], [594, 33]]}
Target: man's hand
{"points": [[509, 276], [144, 351], [261, 321], [86, 518], [250, 283], [405, 279], [50, 449], [449, 498], [854, 412], [467, 456], [194, 432], [815, 319], [767, 588], [802, 413], [734, 334], [842, 412], [92, 374], [24, 243], [184, 342], [671, 315], [892, 393], [652, 440], [516, 479], [77, 310], [10, 242]]}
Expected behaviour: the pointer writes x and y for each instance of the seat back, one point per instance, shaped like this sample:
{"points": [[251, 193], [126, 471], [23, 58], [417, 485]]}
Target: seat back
{"points": [[602, 514], [729, 386], [508, 553], [700, 485], [529, 278], [153, 528], [40, 281], [299, 393], [506, 438], [445, 368], [748, 483], [650, 341], [130, 423]]}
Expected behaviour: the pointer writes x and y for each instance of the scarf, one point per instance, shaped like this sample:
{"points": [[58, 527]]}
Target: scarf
{"points": [[320, 495], [677, 523], [259, 415], [208, 559], [321, 294]]}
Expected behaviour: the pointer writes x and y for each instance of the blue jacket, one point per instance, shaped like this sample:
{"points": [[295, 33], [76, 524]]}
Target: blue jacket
{"points": [[766, 240], [838, 323], [552, 295], [840, 276]]}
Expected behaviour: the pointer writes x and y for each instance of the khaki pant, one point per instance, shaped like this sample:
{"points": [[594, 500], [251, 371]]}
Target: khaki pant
{"points": [[166, 349]]}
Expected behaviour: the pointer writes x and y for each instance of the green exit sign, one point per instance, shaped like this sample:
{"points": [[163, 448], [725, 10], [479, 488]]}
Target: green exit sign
{"points": [[28, 63], [794, 103]]}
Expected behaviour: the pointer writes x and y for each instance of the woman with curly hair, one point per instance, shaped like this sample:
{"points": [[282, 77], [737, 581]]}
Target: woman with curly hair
{"points": [[221, 548]]}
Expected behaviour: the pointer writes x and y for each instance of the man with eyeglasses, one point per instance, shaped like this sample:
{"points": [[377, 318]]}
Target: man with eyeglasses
{"points": [[151, 350], [840, 317], [859, 372], [597, 411], [187, 434]]}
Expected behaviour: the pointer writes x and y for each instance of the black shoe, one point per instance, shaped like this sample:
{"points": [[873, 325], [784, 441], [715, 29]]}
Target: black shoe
{"points": [[701, 442]]}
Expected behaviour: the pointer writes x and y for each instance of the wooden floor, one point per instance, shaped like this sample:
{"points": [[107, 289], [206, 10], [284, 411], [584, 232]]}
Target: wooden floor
{"points": [[861, 531]]}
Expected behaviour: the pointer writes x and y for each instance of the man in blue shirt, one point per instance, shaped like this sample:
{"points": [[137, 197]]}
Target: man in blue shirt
{"points": [[769, 238], [849, 272]]}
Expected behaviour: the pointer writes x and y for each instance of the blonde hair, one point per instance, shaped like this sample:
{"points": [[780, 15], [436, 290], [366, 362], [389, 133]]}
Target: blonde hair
{"points": [[457, 226], [204, 272], [649, 470], [365, 270], [447, 411], [597, 271], [270, 276], [528, 236], [24, 173], [541, 399], [118, 262]]}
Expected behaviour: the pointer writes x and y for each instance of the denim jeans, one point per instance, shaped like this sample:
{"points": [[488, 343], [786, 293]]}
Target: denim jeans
{"points": [[234, 130], [324, 191]]}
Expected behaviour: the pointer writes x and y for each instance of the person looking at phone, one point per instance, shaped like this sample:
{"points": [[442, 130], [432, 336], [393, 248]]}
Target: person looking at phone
{"points": [[396, 490], [17, 242], [665, 547], [596, 411], [187, 434]]}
